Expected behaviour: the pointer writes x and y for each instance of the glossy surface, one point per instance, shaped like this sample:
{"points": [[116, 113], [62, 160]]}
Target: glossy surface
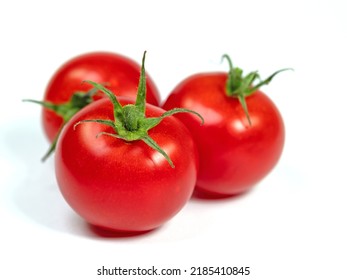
{"points": [[234, 156], [125, 186], [119, 73]]}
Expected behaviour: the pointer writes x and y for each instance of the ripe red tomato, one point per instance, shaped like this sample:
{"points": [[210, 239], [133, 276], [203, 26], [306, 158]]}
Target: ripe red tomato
{"points": [[120, 73], [235, 152], [119, 185]]}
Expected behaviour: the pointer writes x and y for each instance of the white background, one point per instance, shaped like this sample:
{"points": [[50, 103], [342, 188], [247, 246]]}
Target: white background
{"points": [[291, 226]]}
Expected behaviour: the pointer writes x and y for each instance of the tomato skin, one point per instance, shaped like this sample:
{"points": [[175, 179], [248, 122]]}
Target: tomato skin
{"points": [[124, 186], [234, 156], [119, 72]]}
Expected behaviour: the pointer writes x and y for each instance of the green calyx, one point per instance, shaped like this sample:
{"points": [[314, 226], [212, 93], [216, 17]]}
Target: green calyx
{"points": [[130, 123], [66, 111], [239, 86]]}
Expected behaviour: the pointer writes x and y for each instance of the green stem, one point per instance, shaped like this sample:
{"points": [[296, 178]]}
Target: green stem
{"points": [[240, 87], [141, 93], [66, 111], [150, 142], [130, 123]]}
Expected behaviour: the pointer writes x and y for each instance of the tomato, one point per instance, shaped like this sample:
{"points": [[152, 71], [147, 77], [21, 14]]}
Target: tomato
{"points": [[120, 73], [119, 185], [243, 136], [125, 165]]}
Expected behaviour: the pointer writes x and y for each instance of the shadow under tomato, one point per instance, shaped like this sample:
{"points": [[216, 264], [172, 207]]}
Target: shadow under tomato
{"points": [[106, 233], [208, 196]]}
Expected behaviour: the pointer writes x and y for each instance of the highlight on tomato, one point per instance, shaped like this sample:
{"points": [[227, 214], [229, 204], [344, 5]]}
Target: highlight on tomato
{"points": [[124, 165], [66, 94], [243, 136]]}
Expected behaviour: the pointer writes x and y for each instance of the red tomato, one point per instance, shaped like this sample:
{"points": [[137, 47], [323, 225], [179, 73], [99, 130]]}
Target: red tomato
{"points": [[234, 155], [119, 185], [120, 73]]}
